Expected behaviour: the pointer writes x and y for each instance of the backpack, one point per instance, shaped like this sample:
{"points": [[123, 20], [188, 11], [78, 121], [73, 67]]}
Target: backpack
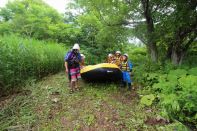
{"points": [[73, 59]]}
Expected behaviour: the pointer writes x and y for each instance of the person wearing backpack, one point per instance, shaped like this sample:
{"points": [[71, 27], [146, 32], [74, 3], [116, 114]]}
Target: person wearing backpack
{"points": [[72, 65]]}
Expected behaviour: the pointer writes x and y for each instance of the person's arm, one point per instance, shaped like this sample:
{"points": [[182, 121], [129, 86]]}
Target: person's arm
{"points": [[80, 59], [66, 66], [113, 61], [66, 61], [130, 66]]}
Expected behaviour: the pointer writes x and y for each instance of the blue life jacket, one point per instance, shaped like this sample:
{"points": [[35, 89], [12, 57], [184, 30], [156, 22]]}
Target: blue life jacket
{"points": [[130, 65]]}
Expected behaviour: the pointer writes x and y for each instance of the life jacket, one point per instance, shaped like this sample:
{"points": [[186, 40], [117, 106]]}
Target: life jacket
{"points": [[118, 60], [110, 60], [82, 63], [125, 66]]}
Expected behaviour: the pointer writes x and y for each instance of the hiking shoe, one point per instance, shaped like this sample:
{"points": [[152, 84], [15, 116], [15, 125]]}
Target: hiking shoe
{"points": [[77, 89], [71, 91], [130, 86]]}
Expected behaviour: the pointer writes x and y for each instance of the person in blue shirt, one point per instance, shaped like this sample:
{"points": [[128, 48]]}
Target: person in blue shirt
{"points": [[72, 65], [126, 67]]}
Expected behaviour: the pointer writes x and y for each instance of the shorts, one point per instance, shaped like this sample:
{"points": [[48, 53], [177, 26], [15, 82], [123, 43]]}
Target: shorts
{"points": [[126, 77], [75, 74]]}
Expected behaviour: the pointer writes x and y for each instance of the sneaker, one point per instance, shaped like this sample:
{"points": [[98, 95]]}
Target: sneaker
{"points": [[71, 91], [77, 89], [130, 87]]}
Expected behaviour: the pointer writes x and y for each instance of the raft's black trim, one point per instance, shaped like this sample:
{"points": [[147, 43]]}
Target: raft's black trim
{"points": [[102, 74]]}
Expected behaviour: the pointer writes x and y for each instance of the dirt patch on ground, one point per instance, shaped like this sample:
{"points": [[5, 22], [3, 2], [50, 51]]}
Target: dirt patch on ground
{"points": [[126, 97], [105, 118], [156, 121], [54, 110], [6, 100]]}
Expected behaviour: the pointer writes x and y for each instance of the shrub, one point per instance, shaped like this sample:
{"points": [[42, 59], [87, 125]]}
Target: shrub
{"points": [[178, 97], [176, 92]]}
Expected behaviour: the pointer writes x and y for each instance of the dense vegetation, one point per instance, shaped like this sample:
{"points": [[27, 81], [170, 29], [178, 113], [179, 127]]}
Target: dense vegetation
{"points": [[24, 58], [165, 63]]}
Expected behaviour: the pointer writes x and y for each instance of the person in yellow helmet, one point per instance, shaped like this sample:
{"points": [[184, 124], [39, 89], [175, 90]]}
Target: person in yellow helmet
{"points": [[118, 58]]}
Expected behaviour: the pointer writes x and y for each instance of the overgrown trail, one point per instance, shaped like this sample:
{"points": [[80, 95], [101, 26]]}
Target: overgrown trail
{"points": [[47, 105]]}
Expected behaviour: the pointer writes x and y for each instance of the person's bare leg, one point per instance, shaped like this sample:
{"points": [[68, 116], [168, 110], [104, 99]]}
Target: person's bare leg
{"points": [[76, 85], [72, 86]]}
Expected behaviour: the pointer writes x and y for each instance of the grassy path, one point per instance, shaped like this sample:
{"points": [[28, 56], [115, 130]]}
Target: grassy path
{"points": [[47, 105]]}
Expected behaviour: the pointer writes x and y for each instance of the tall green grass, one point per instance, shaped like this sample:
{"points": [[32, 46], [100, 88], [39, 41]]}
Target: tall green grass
{"points": [[24, 58]]}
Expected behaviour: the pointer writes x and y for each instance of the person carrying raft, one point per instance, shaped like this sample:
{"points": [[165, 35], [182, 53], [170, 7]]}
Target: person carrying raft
{"points": [[72, 65], [82, 64], [110, 58], [118, 58], [126, 67]]}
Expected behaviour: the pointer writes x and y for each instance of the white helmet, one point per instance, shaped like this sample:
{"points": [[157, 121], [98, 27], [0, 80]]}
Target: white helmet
{"points": [[110, 55], [76, 46], [82, 55], [126, 55], [118, 52]]}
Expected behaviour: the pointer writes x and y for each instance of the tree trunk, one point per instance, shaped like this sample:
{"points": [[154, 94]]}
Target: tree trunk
{"points": [[177, 56], [153, 52], [150, 30]]}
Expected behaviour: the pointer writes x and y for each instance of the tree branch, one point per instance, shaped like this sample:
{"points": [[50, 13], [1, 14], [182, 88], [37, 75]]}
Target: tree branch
{"points": [[190, 41]]}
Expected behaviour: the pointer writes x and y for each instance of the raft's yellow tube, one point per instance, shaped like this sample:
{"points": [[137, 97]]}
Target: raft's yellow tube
{"points": [[102, 65]]}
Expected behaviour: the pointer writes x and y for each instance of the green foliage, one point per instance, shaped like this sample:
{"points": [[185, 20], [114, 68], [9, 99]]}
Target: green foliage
{"points": [[193, 71], [35, 18], [21, 59], [176, 90], [138, 55], [153, 22], [95, 35], [103, 27], [147, 100], [178, 72], [177, 93], [89, 119]]}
